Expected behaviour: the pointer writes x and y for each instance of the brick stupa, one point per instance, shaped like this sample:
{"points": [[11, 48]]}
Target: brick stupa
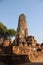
{"points": [[22, 30]]}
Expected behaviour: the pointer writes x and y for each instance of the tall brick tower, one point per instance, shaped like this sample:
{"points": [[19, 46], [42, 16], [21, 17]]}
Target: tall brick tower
{"points": [[22, 30]]}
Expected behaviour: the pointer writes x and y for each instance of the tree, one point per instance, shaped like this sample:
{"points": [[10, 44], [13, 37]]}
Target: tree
{"points": [[3, 29], [11, 32]]}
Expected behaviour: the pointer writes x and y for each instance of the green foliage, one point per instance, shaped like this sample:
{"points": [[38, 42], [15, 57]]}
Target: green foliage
{"points": [[3, 27], [4, 31], [11, 32]]}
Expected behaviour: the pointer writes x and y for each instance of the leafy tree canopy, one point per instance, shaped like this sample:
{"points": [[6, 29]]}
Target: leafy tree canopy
{"points": [[11, 32], [4, 31]]}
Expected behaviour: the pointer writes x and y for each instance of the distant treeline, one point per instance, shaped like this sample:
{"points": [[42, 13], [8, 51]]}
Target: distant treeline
{"points": [[4, 31]]}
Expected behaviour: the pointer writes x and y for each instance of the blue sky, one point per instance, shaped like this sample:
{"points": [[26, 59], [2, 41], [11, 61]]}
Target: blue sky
{"points": [[33, 9]]}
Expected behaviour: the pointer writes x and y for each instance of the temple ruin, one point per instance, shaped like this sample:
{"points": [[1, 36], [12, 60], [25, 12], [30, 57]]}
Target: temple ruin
{"points": [[22, 36], [25, 44], [24, 48]]}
